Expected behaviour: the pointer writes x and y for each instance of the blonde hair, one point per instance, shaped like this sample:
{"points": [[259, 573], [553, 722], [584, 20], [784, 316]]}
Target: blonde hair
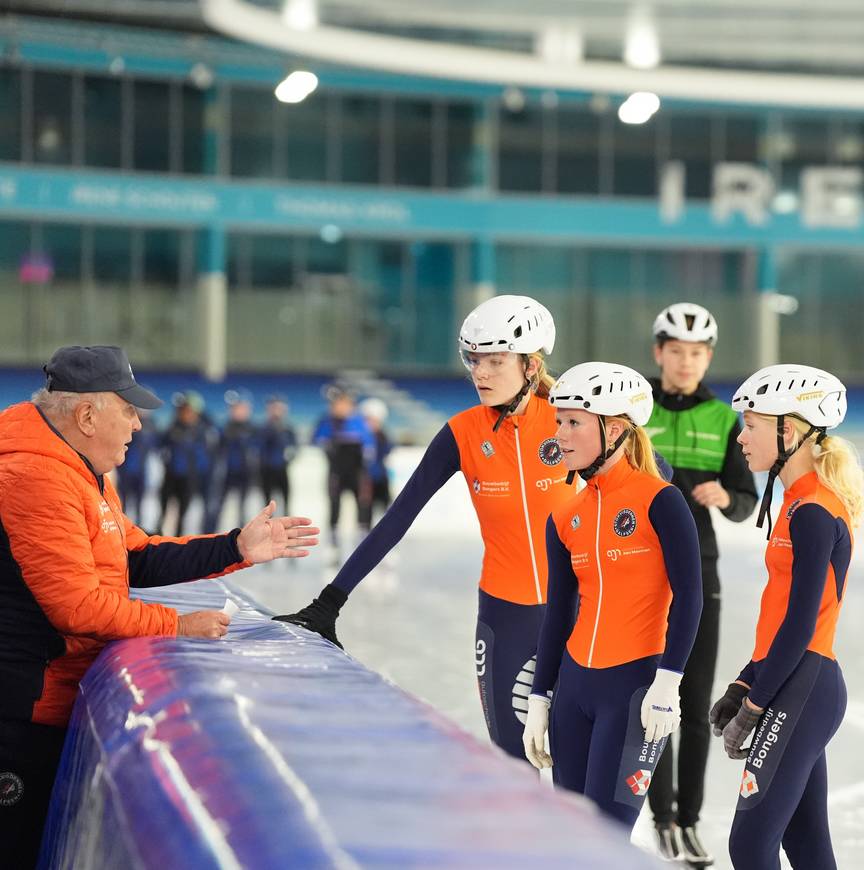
{"points": [[837, 467], [58, 403], [542, 381], [638, 448]]}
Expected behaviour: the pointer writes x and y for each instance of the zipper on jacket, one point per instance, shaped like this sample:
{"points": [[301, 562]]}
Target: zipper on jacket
{"points": [[600, 577], [527, 517]]}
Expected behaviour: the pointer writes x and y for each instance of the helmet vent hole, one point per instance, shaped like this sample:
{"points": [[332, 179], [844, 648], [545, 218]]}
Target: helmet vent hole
{"points": [[597, 390], [689, 319], [762, 390]]}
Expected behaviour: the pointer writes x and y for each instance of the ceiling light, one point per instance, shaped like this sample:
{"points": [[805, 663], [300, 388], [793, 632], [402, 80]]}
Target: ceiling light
{"points": [[641, 43], [296, 87], [638, 108]]}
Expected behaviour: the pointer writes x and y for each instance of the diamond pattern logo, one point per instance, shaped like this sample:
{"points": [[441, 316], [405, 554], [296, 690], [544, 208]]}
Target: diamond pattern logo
{"points": [[639, 782], [749, 786]]}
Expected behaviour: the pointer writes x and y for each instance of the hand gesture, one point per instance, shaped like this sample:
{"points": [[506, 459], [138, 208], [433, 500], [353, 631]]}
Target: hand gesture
{"points": [[265, 538]]}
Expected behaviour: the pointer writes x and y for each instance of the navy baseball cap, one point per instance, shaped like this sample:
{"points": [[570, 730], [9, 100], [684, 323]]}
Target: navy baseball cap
{"points": [[97, 369]]}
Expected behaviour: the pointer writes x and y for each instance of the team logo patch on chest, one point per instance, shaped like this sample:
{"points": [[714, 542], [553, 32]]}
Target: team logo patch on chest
{"points": [[576, 521], [550, 452], [624, 523], [487, 449]]}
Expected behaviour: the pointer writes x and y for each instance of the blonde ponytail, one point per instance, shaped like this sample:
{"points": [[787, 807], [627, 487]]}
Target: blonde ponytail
{"points": [[638, 448], [838, 467], [542, 380]]}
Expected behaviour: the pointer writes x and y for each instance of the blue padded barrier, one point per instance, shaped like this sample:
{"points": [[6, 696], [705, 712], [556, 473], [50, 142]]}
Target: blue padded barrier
{"points": [[273, 749]]}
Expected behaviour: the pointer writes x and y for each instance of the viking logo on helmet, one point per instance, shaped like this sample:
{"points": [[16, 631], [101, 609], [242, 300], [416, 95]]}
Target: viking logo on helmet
{"points": [[624, 523], [550, 452]]}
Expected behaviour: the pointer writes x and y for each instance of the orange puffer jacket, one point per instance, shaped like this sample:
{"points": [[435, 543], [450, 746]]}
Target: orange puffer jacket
{"points": [[68, 555]]}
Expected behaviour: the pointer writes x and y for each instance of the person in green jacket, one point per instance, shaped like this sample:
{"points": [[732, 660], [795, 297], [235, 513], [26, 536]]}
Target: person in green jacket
{"points": [[696, 434]]}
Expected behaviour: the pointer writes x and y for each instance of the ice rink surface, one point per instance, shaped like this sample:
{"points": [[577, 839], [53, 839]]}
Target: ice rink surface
{"points": [[413, 621]]}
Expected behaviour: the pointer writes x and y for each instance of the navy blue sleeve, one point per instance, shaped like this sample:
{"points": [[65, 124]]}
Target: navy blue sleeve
{"points": [[562, 589], [169, 562], [665, 469], [676, 531], [748, 675], [813, 533], [439, 463]]}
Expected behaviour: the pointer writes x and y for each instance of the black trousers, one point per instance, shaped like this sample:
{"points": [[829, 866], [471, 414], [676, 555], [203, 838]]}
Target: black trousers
{"points": [[179, 488], [275, 483], [29, 756], [694, 739]]}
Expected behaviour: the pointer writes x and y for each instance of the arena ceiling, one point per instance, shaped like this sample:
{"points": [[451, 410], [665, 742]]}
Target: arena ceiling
{"points": [[747, 50]]}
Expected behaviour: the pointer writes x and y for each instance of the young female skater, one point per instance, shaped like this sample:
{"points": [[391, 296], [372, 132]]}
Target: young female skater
{"points": [[791, 694], [505, 448], [625, 595]]}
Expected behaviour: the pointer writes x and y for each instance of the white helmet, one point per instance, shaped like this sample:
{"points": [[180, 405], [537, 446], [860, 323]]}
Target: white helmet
{"points": [[686, 321], [508, 323], [374, 408], [802, 391], [604, 388]]}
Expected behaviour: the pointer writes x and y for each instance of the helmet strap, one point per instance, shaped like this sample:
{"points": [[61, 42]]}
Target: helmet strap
{"points": [[783, 456], [510, 407], [606, 451]]}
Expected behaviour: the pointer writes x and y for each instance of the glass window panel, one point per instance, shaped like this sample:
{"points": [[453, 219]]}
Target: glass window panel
{"points": [[161, 257], [151, 145], [690, 141], [520, 149], [10, 112], [305, 127], [361, 139], [635, 159], [52, 117], [103, 121], [609, 269], [272, 261], [326, 258], [61, 243], [252, 132], [14, 246], [193, 101], [112, 255], [461, 119], [804, 142], [742, 139], [412, 133], [578, 150]]}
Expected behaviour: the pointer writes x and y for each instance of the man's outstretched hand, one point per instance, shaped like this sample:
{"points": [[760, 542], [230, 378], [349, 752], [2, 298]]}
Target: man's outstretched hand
{"points": [[266, 537]]}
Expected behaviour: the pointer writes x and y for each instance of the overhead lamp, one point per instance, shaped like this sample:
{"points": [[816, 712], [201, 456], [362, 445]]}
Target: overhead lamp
{"points": [[300, 14], [641, 42], [638, 108], [296, 87]]}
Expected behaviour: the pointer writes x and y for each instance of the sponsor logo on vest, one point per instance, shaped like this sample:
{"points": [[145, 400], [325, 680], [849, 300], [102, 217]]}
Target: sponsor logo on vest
{"points": [[550, 452], [762, 745], [792, 507], [476, 485], [639, 782], [624, 523], [615, 553], [488, 449], [491, 488], [11, 788], [749, 786], [579, 560]]}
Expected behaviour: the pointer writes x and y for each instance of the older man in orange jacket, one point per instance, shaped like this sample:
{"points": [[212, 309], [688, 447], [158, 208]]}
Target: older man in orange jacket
{"points": [[68, 556]]}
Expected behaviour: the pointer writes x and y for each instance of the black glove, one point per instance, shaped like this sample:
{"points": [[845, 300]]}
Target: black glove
{"points": [[723, 712], [738, 730], [320, 615]]}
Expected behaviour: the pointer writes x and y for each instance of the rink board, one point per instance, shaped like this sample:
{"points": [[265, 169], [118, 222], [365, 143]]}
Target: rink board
{"points": [[273, 749]]}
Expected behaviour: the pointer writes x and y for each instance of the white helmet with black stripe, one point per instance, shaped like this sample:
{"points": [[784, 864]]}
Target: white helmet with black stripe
{"points": [[686, 321]]}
